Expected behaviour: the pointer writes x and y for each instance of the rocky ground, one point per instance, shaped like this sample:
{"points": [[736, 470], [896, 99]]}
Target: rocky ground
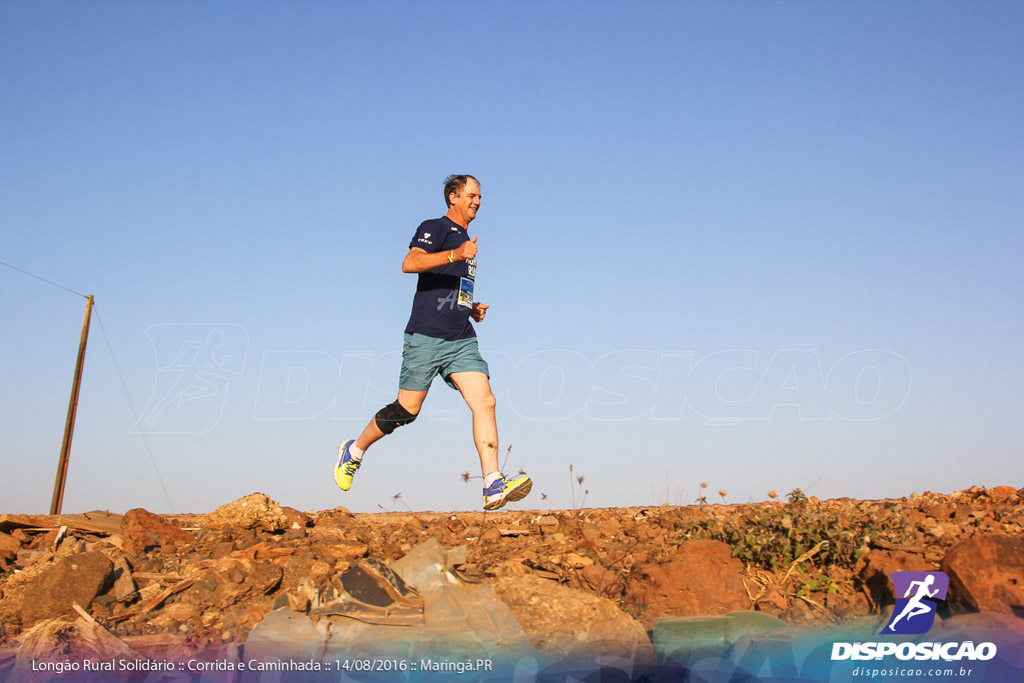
{"points": [[205, 580]]}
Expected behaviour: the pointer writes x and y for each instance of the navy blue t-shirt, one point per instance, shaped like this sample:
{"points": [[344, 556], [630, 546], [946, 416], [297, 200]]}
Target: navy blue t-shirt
{"points": [[444, 295]]}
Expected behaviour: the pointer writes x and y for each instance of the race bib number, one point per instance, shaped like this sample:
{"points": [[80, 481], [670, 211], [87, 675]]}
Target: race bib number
{"points": [[466, 292]]}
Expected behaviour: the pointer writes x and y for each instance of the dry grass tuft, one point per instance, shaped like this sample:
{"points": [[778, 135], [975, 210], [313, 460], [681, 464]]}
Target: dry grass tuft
{"points": [[47, 639]]}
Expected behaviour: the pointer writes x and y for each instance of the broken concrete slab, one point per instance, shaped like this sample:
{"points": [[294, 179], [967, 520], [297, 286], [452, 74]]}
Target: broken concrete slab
{"points": [[424, 567], [96, 521], [8, 522], [287, 635]]}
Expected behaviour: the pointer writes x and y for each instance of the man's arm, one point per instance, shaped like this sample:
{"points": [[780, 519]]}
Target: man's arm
{"points": [[419, 261]]}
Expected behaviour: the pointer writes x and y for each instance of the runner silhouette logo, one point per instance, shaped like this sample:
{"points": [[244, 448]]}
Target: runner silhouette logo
{"points": [[914, 613]]}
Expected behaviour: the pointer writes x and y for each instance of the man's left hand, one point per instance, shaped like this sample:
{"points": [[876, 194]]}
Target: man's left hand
{"points": [[478, 312]]}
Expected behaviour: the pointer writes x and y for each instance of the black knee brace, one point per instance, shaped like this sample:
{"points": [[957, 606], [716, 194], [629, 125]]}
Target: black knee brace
{"points": [[392, 416]]}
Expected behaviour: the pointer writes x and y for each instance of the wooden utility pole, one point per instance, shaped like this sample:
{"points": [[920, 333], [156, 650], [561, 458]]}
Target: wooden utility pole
{"points": [[69, 426]]}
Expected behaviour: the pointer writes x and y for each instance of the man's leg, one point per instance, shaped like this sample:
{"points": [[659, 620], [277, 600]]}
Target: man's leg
{"points": [[412, 401], [476, 390], [498, 489], [389, 418]]}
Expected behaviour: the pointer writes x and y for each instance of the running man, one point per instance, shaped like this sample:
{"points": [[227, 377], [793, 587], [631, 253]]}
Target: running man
{"points": [[914, 606], [440, 340]]}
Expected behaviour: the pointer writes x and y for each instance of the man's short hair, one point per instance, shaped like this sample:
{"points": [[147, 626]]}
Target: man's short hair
{"points": [[455, 183]]}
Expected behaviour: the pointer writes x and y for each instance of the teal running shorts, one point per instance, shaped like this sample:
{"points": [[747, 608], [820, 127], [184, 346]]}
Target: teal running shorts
{"points": [[424, 358]]}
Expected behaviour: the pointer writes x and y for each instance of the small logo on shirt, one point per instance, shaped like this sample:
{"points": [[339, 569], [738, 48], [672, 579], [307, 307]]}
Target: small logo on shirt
{"points": [[426, 235]]}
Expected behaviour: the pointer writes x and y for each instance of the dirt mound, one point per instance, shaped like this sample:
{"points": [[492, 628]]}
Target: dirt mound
{"points": [[195, 581]]}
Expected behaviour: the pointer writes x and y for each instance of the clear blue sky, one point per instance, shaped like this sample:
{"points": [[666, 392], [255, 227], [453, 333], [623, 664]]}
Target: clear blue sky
{"points": [[760, 245]]}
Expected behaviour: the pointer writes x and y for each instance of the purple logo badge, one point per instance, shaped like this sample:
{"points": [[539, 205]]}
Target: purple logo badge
{"points": [[914, 612]]}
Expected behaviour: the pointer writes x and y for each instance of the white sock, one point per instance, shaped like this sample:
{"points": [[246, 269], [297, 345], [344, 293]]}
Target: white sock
{"points": [[491, 478], [356, 452]]}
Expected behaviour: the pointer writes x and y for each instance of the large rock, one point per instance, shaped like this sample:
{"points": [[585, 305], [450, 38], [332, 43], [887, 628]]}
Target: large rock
{"points": [[874, 567], [564, 623], [986, 574], [702, 578], [9, 547], [255, 511], [142, 529], [73, 578], [9, 544], [13, 590]]}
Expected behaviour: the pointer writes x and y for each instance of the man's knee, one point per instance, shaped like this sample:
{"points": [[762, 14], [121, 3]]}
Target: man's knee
{"points": [[483, 403], [392, 416]]}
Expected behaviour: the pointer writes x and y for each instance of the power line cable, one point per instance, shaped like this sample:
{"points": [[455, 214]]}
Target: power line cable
{"points": [[135, 413], [49, 282], [117, 367]]}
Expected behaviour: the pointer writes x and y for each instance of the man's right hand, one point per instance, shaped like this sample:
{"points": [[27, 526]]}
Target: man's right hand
{"points": [[466, 250]]}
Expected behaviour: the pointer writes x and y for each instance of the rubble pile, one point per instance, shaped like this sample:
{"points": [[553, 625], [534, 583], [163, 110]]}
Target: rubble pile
{"points": [[597, 578]]}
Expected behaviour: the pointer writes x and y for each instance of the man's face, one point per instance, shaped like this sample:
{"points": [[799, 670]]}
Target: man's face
{"points": [[466, 203]]}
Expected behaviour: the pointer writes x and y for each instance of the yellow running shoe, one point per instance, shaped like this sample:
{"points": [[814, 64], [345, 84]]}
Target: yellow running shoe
{"points": [[504, 490], [346, 466]]}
